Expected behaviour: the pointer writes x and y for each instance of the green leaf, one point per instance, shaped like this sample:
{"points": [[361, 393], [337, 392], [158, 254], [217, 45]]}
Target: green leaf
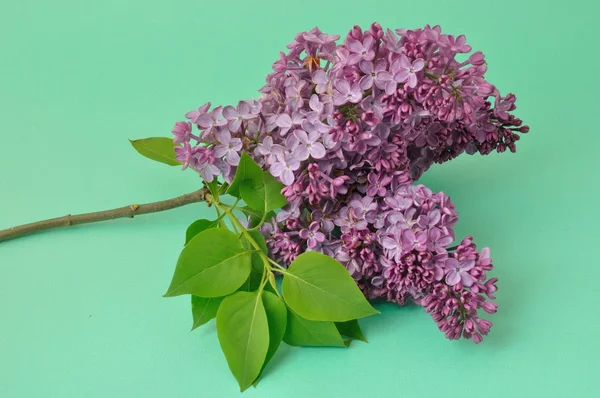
{"points": [[304, 333], [272, 283], [198, 226], [160, 149], [255, 216], [243, 333], [351, 329], [204, 309], [258, 267], [263, 198], [319, 288], [274, 197], [277, 320], [247, 170], [255, 277], [212, 264], [260, 239]]}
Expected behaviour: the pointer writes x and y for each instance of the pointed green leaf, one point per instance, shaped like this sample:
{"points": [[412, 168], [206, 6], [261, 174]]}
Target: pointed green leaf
{"points": [[212, 264], [319, 288], [204, 309], [277, 320], [351, 329], [247, 170], [198, 226], [274, 198], [260, 239], [243, 333], [263, 198], [253, 196], [253, 281], [272, 283], [160, 149], [304, 333]]}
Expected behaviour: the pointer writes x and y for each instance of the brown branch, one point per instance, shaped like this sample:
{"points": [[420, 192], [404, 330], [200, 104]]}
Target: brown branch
{"points": [[123, 212]]}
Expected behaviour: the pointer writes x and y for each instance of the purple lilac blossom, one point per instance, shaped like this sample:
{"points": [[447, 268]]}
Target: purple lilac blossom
{"points": [[347, 128]]}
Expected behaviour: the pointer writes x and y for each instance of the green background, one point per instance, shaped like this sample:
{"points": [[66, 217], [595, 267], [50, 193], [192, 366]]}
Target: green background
{"points": [[81, 312]]}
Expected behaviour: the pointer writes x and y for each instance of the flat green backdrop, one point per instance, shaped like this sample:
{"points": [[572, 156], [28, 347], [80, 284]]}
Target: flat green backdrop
{"points": [[81, 312]]}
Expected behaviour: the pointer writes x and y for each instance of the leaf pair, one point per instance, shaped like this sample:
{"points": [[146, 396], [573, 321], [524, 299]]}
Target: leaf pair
{"points": [[231, 279], [324, 302], [250, 327]]}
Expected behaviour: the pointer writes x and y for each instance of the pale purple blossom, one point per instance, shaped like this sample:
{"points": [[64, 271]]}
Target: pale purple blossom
{"points": [[344, 92], [308, 146], [457, 45], [284, 167], [321, 80], [228, 147], [286, 122], [378, 184], [182, 132], [185, 155], [412, 241], [312, 235], [194, 115], [361, 51], [458, 271], [267, 148], [211, 120], [405, 71], [374, 74], [294, 94], [208, 171], [236, 116]]}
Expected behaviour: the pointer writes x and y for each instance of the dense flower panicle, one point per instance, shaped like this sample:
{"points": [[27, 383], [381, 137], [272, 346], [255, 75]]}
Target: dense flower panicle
{"points": [[347, 128]]}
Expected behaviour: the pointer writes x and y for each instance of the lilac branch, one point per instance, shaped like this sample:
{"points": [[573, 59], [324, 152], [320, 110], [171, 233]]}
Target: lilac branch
{"points": [[122, 212]]}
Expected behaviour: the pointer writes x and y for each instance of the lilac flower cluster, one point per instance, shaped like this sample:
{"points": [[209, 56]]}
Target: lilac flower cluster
{"points": [[347, 128], [397, 248]]}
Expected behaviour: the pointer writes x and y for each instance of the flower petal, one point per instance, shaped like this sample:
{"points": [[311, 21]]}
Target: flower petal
{"points": [[418, 65], [301, 152], [317, 150], [466, 279], [401, 76], [451, 263], [452, 278], [229, 112]]}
